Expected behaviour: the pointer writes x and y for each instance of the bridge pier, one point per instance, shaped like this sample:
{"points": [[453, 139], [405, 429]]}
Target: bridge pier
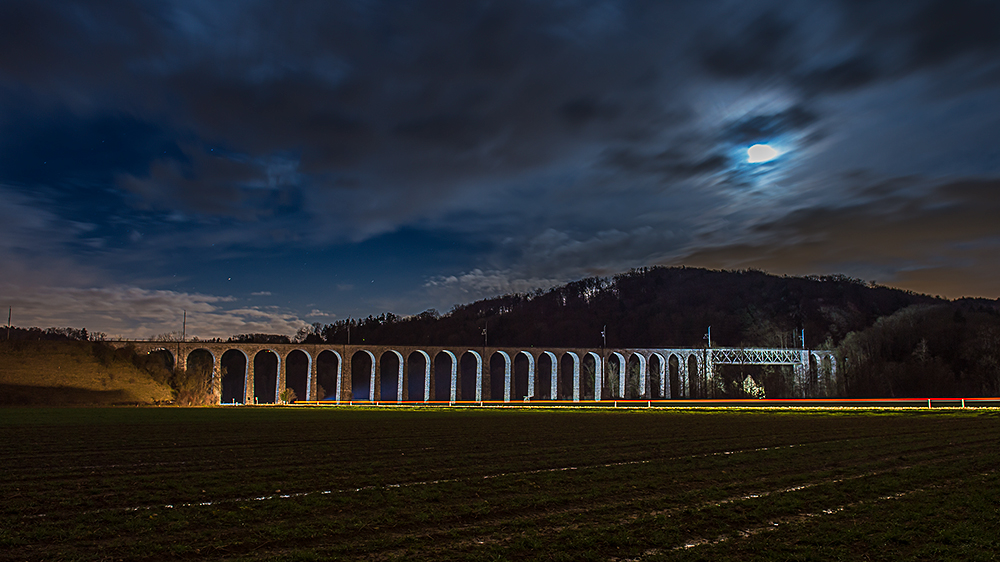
{"points": [[481, 378], [248, 384], [401, 377], [312, 378], [506, 376], [180, 361], [531, 375], [281, 377]]}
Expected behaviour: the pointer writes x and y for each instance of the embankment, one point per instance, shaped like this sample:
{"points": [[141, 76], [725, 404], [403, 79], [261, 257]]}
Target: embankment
{"points": [[57, 373]]}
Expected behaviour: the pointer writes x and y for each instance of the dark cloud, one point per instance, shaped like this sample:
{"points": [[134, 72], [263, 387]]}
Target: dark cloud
{"points": [[429, 97], [460, 132], [903, 235], [943, 30], [846, 45], [895, 39], [51, 44], [672, 164], [536, 141], [201, 183], [760, 47], [849, 74], [765, 127], [582, 110]]}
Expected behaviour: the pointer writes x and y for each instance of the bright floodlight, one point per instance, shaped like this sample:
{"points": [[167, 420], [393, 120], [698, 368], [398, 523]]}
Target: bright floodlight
{"points": [[761, 153]]}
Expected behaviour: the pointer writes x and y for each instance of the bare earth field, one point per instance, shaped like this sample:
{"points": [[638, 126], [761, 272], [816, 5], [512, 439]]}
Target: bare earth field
{"points": [[488, 484]]}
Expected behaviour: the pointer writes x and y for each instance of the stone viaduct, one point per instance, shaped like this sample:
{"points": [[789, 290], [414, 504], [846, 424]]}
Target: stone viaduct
{"points": [[387, 373]]}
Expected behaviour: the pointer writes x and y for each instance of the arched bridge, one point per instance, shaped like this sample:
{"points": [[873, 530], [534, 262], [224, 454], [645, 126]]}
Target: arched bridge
{"points": [[257, 373]]}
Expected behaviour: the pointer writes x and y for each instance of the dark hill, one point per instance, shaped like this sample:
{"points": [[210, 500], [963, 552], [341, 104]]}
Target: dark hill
{"points": [[650, 307]]}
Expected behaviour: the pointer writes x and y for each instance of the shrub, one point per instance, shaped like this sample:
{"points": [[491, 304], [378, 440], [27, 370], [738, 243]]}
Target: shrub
{"points": [[287, 396]]}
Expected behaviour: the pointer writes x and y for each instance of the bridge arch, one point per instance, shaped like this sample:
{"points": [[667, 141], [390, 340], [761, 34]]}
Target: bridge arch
{"points": [[588, 376], [329, 375], [529, 382], [162, 357], [616, 374], [391, 376], [612, 384], [266, 375], [694, 376], [676, 381], [203, 350], [202, 366], [813, 377], [635, 377], [569, 377], [593, 377], [477, 381], [548, 387], [659, 384], [418, 367], [500, 387], [824, 363], [445, 383], [234, 383], [830, 366], [363, 375], [298, 373]]}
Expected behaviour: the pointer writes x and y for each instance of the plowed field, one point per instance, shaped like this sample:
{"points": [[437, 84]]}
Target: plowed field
{"points": [[467, 484]]}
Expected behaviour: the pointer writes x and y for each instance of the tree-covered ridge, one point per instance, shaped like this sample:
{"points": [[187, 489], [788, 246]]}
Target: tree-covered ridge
{"points": [[948, 349], [649, 307]]}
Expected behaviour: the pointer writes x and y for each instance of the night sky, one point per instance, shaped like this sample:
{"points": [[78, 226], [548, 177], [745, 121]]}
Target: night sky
{"points": [[268, 165]]}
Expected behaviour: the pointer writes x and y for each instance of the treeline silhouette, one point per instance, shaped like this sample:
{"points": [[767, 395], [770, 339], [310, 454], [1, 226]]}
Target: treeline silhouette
{"points": [[648, 307], [14, 333], [938, 350]]}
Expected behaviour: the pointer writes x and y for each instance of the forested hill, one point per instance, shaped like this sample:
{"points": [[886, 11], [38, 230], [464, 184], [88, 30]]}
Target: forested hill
{"points": [[649, 307]]}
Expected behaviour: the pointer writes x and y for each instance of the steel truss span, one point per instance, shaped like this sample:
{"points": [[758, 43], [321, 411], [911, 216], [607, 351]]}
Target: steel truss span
{"points": [[577, 374], [756, 356]]}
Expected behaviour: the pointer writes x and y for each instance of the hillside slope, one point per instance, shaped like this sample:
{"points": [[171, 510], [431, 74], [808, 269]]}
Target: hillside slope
{"points": [[651, 307], [72, 373]]}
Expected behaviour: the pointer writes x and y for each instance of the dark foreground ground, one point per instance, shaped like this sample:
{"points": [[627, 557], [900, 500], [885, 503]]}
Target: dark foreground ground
{"points": [[318, 483]]}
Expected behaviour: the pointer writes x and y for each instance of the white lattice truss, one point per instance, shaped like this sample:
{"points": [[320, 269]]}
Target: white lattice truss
{"points": [[759, 356]]}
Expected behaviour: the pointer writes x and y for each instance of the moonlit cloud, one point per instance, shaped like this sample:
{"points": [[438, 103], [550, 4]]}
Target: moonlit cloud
{"points": [[317, 313], [132, 312]]}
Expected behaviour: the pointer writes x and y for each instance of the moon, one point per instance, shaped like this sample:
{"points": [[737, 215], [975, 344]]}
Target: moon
{"points": [[761, 153]]}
